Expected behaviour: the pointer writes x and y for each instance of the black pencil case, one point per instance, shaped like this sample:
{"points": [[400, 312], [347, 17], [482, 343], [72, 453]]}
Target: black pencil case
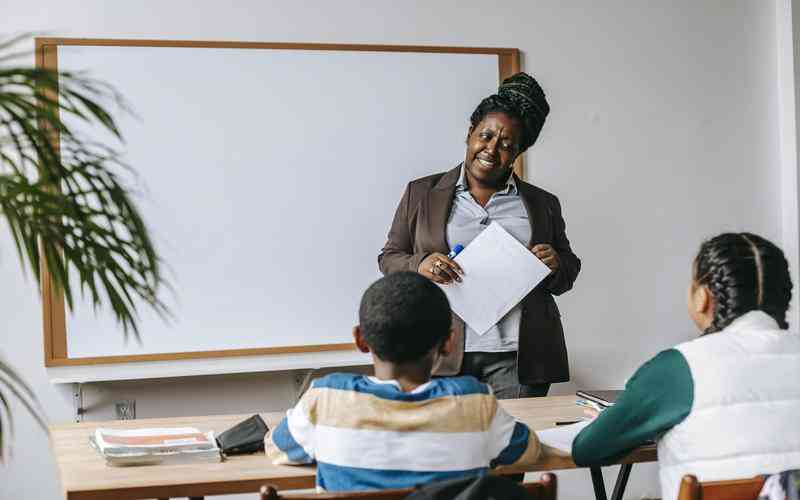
{"points": [[245, 437]]}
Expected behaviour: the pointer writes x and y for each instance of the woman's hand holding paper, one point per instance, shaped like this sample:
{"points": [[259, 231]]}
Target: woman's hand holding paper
{"points": [[547, 255]]}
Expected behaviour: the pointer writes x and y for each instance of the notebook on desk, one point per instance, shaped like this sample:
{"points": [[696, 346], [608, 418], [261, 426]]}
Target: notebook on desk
{"points": [[602, 398], [155, 446]]}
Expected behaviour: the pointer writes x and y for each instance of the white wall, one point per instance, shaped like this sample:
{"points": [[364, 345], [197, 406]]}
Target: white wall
{"points": [[787, 137], [664, 131]]}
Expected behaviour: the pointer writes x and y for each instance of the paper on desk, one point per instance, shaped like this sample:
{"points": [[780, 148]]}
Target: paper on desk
{"points": [[499, 271], [562, 436]]}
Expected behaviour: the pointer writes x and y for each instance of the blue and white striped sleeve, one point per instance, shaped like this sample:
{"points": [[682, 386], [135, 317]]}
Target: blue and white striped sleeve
{"points": [[292, 441], [514, 443]]}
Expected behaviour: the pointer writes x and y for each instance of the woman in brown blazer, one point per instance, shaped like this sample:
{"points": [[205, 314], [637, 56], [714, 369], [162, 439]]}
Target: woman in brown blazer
{"points": [[525, 351]]}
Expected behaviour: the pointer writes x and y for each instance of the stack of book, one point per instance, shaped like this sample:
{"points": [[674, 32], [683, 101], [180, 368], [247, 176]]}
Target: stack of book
{"points": [[596, 401], [155, 446]]}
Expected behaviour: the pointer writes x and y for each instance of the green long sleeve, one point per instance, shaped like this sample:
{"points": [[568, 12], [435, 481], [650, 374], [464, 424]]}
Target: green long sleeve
{"points": [[658, 397]]}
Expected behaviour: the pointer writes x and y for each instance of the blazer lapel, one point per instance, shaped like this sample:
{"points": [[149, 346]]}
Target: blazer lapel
{"points": [[440, 203], [537, 212]]}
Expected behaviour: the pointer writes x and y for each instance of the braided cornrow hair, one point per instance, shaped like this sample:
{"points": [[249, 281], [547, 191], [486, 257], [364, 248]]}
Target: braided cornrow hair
{"points": [[521, 98], [744, 272]]}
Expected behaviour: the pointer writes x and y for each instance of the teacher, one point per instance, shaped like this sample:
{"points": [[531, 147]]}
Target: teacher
{"points": [[524, 352]]}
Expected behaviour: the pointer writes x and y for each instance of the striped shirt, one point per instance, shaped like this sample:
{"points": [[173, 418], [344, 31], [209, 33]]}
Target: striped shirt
{"points": [[365, 433]]}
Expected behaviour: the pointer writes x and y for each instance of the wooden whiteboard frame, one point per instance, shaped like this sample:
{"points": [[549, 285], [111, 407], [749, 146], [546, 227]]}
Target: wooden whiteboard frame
{"points": [[53, 305]]}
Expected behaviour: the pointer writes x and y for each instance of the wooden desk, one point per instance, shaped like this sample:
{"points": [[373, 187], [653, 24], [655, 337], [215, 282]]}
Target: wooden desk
{"points": [[85, 476]]}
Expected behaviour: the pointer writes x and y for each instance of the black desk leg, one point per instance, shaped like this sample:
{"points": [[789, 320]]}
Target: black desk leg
{"points": [[598, 483], [622, 481]]}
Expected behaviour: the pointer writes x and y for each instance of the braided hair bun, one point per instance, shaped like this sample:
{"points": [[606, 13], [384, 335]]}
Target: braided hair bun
{"points": [[744, 272], [520, 97]]}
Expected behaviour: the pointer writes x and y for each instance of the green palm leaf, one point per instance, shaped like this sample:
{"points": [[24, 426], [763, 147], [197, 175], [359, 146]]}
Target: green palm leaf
{"points": [[65, 203]]}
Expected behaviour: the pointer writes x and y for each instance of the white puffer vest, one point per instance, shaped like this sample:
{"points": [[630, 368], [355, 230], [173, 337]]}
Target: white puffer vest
{"points": [[745, 416]]}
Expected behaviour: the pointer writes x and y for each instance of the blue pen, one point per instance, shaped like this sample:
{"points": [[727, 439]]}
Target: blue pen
{"points": [[452, 255], [455, 251]]}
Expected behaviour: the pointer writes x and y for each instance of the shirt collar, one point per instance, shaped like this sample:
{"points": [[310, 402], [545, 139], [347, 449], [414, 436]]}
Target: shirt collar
{"points": [[510, 187], [395, 383], [753, 320]]}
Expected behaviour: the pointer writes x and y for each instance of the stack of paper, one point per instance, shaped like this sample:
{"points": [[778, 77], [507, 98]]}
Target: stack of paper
{"points": [[498, 272], [596, 401], [174, 445], [561, 437]]}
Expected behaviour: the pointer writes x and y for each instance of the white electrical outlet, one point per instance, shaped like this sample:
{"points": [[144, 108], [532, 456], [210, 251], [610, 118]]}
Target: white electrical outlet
{"points": [[125, 409]]}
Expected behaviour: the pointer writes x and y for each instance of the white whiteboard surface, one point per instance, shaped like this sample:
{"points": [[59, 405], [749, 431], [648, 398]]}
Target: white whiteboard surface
{"points": [[269, 180]]}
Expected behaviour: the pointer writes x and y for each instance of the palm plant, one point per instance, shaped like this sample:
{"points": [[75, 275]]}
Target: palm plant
{"points": [[64, 203]]}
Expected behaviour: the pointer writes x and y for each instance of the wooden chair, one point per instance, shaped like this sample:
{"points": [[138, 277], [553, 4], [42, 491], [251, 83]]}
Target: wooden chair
{"points": [[544, 489], [736, 489], [270, 493]]}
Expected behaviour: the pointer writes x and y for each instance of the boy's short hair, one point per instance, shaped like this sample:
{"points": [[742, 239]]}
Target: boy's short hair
{"points": [[403, 316]]}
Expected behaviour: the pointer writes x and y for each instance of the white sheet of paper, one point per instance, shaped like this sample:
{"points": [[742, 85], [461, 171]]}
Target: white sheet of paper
{"points": [[499, 271], [562, 436]]}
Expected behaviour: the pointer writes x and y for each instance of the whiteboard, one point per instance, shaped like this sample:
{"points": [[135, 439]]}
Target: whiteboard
{"points": [[269, 179]]}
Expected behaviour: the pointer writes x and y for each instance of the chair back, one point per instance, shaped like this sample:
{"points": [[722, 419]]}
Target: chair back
{"points": [[270, 493], [735, 489], [544, 489]]}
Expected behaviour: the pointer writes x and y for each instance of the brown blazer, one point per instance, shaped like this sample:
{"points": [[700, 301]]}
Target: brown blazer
{"points": [[419, 228]]}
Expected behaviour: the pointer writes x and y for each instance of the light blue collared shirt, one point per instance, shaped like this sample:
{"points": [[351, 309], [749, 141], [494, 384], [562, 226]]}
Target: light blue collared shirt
{"points": [[467, 219]]}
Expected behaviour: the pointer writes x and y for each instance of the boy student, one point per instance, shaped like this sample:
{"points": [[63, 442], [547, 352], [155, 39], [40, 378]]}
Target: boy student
{"points": [[400, 428]]}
